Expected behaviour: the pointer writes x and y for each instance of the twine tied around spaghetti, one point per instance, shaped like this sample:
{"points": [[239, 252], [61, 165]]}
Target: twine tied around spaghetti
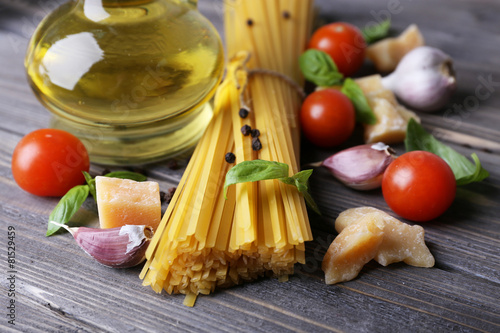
{"points": [[283, 77], [242, 74], [242, 58]]}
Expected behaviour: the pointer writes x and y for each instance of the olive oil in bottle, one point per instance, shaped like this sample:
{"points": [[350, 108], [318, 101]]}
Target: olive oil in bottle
{"points": [[131, 78]]}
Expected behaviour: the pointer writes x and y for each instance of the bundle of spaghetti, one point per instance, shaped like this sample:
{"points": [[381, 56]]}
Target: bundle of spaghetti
{"points": [[204, 239], [275, 33]]}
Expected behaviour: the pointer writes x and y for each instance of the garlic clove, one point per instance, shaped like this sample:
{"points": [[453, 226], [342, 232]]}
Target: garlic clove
{"points": [[426, 90], [424, 79], [120, 247], [360, 167]]}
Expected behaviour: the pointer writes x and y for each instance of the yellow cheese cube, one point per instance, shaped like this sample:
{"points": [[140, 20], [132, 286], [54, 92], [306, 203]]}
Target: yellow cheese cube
{"points": [[124, 201]]}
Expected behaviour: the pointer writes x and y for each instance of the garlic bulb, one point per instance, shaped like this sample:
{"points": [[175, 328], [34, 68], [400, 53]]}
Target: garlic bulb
{"points": [[360, 167], [120, 247], [424, 79]]}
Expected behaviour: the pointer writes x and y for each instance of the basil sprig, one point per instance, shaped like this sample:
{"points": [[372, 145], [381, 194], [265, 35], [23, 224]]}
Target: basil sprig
{"points": [[375, 32], [364, 113], [67, 207], [71, 202], [417, 138], [90, 183], [300, 180], [252, 171], [319, 68]]}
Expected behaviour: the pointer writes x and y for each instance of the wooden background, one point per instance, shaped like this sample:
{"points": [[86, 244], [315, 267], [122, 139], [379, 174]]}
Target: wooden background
{"points": [[60, 289]]}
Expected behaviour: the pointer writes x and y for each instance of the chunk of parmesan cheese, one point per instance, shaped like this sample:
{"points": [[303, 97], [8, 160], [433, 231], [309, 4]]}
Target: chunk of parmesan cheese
{"points": [[402, 242], [354, 247], [387, 53], [392, 117], [125, 201]]}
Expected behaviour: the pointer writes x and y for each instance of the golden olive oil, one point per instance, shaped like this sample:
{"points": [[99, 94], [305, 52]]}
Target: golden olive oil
{"points": [[131, 78]]}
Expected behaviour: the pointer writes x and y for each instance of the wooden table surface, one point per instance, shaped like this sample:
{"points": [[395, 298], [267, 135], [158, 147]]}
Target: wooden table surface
{"points": [[58, 288]]}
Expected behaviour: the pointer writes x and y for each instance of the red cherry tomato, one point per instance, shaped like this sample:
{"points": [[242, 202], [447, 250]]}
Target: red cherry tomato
{"points": [[327, 117], [419, 186], [49, 162], [344, 43]]}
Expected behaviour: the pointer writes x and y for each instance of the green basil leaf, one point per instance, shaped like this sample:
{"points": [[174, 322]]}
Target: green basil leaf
{"points": [[67, 207], [478, 175], [252, 171], [417, 138], [375, 32], [319, 68], [364, 113], [301, 181], [127, 175], [91, 183]]}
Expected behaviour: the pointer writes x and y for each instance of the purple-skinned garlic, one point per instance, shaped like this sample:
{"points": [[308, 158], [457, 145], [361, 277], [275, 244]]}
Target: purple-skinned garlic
{"points": [[360, 167], [120, 247]]}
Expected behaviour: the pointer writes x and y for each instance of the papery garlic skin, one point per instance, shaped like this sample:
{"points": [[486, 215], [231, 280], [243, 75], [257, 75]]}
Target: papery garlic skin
{"points": [[360, 167], [135, 235], [120, 247], [424, 79]]}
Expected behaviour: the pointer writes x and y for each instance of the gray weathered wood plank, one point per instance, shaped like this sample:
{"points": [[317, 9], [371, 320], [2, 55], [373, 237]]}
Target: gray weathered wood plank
{"points": [[60, 289]]}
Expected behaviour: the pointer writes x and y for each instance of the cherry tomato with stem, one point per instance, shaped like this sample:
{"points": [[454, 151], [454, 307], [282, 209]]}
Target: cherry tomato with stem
{"points": [[344, 43], [49, 162], [327, 118], [419, 186]]}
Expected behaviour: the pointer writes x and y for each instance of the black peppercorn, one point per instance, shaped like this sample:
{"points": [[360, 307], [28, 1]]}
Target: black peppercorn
{"points": [[249, 22], [243, 113], [256, 144], [255, 133], [246, 130], [230, 157]]}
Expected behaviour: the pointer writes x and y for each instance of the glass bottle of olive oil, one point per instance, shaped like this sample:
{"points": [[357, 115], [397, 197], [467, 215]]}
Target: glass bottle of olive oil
{"points": [[131, 78]]}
